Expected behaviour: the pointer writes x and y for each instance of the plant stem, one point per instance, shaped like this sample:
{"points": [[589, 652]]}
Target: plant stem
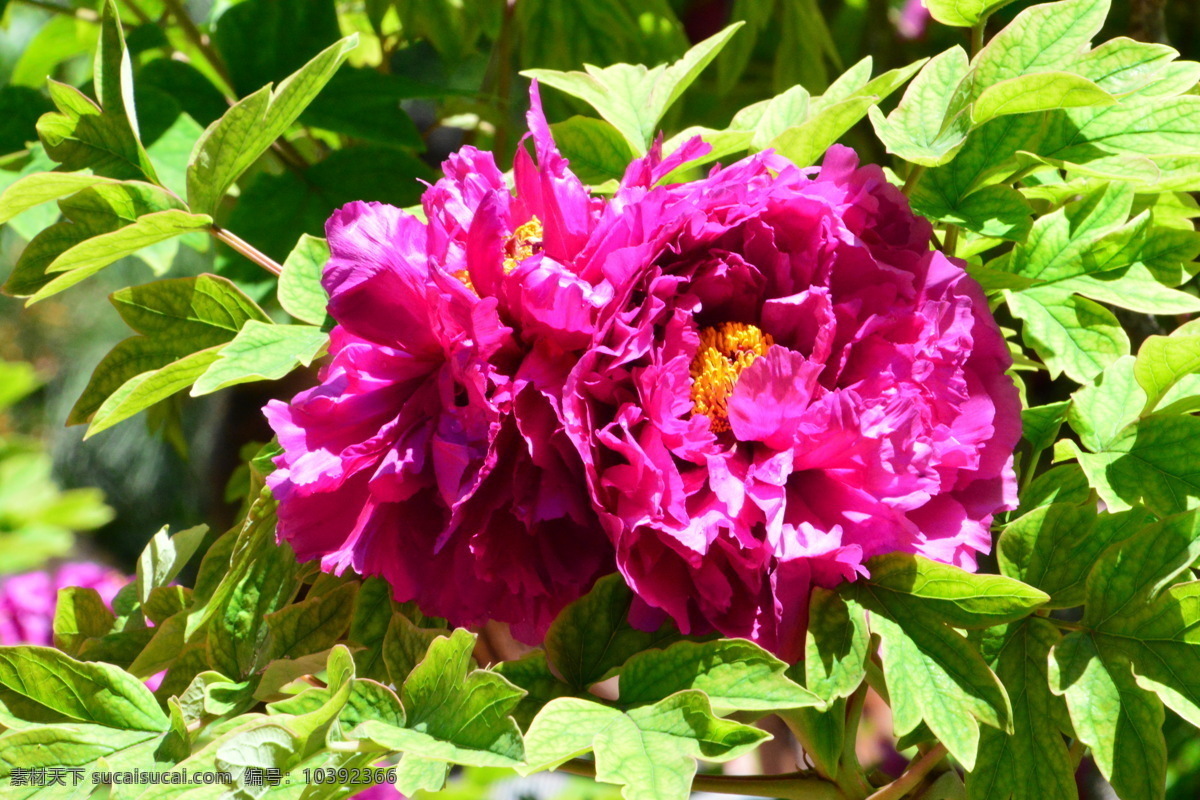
{"points": [[977, 36], [913, 775], [85, 14], [503, 67], [789, 786], [914, 175], [1066, 625], [951, 239], [248, 250]]}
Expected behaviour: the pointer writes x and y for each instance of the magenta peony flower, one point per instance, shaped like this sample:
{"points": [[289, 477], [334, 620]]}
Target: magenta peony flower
{"points": [[791, 383], [433, 453], [913, 19], [27, 601]]}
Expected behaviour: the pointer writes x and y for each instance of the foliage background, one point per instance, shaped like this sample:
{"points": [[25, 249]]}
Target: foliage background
{"points": [[428, 77]]}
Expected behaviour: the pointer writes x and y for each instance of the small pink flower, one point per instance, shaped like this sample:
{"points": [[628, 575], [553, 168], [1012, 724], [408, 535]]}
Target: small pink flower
{"points": [[791, 383]]}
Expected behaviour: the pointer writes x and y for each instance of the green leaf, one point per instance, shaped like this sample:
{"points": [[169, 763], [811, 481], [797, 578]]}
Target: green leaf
{"points": [[77, 690], [592, 636], [1137, 651], [964, 13], [442, 692], [1119, 722], [183, 322], [1162, 361], [1070, 334], [1041, 91], [100, 209], [735, 674], [1040, 424], [930, 124], [405, 646], [81, 135], [989, 152], [998, 211], [651, 750], [83, 746], [1161, 127], [1134, 287], [261, 580], [1101, 410], [300, 291], [164, 557], [836, 643], [79, 614], [149, 388], [595, 148], [1123, 65], [933, 674], [89, 257], [532, 673], [634, 98], [42, 187], [962, 599], [1064, 483], [805, 143], [1054, 547], [1032, 762], [1042, 38], [235, 141], [767, 119], [262, 351], [311, 626], [1136, 570], [373, 613], [1151, 463]]}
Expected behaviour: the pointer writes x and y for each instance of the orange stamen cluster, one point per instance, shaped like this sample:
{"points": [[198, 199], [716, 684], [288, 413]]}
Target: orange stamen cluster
{"points": [[725, 350], [524, 242]]}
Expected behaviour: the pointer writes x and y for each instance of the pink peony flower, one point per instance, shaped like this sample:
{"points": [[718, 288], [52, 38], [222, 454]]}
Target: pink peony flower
{"points": [[913, 19], [791, 383], [27, 601], [432, 453]]}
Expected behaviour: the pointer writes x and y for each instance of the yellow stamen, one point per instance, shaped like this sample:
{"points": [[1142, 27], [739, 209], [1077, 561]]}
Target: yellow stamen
{"points": [[525, 241], [724, 352]]}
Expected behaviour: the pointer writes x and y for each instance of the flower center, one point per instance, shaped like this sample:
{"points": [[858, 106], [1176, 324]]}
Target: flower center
{"points": [[525, 241], [725, 350]]}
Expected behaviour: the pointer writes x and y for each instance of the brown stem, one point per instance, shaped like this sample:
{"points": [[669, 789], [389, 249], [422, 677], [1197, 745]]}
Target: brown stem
{"points": [[912, 776], [248, 250], [790, 786]]}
